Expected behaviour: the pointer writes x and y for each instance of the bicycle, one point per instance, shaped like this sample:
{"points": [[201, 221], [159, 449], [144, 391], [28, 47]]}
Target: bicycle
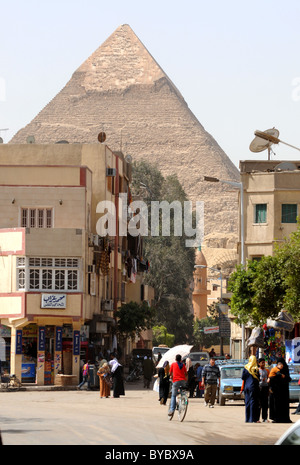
{"points": [[182, 403], [10, 383]]}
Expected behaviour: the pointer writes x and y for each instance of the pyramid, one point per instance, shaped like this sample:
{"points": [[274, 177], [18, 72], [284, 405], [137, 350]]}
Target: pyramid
{"points": [[121, 90]]}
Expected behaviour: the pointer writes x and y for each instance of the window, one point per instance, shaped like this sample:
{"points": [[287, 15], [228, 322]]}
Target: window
{"points": [[288, 213], [48, 274], [21, 273], [36, 217], [260, 213]]}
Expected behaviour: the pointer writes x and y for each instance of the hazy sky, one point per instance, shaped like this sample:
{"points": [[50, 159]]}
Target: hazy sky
{"points": [[236, 63]]}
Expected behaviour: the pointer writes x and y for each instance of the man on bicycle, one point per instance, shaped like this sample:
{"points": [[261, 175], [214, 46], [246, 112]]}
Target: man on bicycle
{"points": [[178, 374]]}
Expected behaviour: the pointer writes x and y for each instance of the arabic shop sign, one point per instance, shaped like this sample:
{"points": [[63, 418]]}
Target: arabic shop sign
{"points": [[54, 301]]}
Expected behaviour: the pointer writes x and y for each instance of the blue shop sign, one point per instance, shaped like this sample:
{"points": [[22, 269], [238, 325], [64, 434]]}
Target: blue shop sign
{"points": [[58, 339], [19, 342], [76, 343], [42, 339]]}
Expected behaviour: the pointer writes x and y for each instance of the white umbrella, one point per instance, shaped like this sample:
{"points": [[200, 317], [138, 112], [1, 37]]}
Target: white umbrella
{"points": [[170, 355]]}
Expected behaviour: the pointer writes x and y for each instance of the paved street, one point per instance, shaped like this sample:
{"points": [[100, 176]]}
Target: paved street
{"points": [[82, 418]]}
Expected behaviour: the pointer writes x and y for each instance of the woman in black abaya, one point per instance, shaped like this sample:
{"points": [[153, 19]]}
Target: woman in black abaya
{"points": [[117, 377], [279, 379]]}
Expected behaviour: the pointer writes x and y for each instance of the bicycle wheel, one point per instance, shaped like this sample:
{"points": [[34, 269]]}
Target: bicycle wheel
{"points": [[182, 407]]}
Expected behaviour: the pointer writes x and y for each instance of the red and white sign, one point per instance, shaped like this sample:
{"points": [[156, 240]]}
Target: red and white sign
{"points": [[211, 329]]}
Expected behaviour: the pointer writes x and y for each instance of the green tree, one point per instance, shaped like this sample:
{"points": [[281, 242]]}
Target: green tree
{"points": [[171, 263], [132, 318], [288, 255], [201, 339], [161, 336], [241, 285]]}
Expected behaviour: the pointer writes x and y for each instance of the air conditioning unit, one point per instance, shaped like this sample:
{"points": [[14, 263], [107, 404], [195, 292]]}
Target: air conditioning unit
{"points": [[110, 171], [108, 305]]}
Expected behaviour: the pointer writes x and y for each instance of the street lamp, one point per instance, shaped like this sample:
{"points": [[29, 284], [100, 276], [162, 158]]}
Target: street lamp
{"points": [[238, 185]]}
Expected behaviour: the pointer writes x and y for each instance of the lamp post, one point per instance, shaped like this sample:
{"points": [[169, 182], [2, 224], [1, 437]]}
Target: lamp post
{"points": [[238, 185]]}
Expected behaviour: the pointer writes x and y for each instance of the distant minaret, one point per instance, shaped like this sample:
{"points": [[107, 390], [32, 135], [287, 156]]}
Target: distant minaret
{"points": [[200, 292]]}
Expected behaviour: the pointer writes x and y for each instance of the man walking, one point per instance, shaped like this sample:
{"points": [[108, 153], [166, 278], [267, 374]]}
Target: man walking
{"points": [[211, 381], [178, 374]]}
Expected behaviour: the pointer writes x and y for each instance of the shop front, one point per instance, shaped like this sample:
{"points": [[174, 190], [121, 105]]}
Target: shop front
{"points": [[38, 354]]}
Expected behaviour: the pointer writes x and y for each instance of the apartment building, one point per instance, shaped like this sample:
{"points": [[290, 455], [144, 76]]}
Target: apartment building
{"points": [[271, 206], [61, 282]]}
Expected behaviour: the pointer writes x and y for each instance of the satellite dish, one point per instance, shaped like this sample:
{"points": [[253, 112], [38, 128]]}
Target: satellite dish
{"points": [[285, 166], [101, 137], [1, 140], [259, 144], [62, 142], [128, 158], [30, 140]]}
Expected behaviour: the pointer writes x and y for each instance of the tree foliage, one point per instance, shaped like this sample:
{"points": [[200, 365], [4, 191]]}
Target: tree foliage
{"points": [[171, 263], [262, 289], [132, 318]]}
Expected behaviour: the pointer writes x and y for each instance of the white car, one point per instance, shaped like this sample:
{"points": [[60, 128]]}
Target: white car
{"points": [[162, 350], [291, 437]]}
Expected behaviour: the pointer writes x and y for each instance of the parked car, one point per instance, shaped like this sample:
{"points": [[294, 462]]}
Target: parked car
{"points": [[291, 437], [198, 357], [230, 382], [294, 386], [162, 350]]}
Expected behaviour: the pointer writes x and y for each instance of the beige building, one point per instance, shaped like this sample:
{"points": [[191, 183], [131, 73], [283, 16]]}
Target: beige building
{"points": [[270, 210], [271, 204], [61, 282]]}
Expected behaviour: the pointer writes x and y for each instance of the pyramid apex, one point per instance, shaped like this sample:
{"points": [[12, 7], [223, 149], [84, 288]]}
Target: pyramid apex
{"points": [[120, 62]]}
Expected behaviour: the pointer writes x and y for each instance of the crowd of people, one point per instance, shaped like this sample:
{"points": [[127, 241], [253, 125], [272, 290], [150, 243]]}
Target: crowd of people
{"points": [[266, 391], [110, 377]]}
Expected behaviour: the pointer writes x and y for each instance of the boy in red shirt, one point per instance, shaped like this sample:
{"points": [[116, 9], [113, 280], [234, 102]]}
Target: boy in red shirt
{"points": [[178, 375]]}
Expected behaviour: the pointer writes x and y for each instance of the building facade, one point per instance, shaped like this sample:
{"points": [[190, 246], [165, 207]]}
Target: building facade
{"points": [[271, 206], [61, 282]]}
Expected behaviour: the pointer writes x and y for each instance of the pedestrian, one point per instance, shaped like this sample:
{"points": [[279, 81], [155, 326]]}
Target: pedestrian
{"points": [[250, 386], [279, 379], [178, 375], [212, 353], [85, 376], [199, 389], [263, 390], [164, 383], [191, 384], [117, 377], [211, 381], [148, 371], [159, 356], [104, 380]]}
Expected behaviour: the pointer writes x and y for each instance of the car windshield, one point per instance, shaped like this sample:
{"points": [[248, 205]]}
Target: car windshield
{"points": [[162, 350], [232, 372], [196, 357]]}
